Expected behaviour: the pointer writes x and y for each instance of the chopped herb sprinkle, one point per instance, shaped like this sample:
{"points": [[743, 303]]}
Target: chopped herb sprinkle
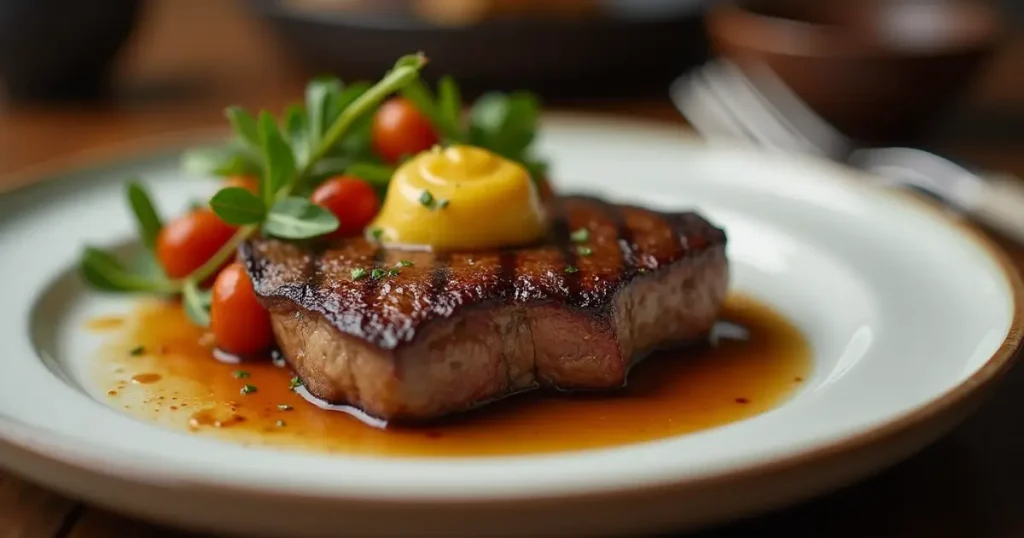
{"points": [[376, 233], [377, 274], [358, 273], [284, 407], [580, 236], [295, 383], [248, 389], [136, 351], [278, 359], [393, 272], [405, 263], [426, 199], [280, 424], [584, 251], [240, 374], [441, 204], [571, 269]]}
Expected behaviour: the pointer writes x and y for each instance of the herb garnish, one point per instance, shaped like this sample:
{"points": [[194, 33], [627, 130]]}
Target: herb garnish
{"points": [[393, 272], [248, 389], [571, 269], [426, 199], [294, 383], [280, 424], [584, 251], [404, 263], [284, 407], [580, 236], [359, 273], [136, 351], [290, 155], [377, 274], [240, 374]]}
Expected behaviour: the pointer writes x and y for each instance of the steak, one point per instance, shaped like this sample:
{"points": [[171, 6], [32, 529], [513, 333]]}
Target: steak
{"points": [[455, 330]]}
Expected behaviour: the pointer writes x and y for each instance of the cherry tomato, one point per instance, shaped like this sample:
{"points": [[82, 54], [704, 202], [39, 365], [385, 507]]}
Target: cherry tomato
{"points": [[188, 241], [240, 324], [248, 183], [352, 200], [400, 129]]}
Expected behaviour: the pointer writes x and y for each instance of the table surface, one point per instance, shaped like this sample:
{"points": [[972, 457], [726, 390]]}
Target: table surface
{"points": [[968, 483]]}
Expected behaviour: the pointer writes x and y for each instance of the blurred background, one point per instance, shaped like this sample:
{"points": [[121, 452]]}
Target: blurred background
{"points": [[80, 74]]}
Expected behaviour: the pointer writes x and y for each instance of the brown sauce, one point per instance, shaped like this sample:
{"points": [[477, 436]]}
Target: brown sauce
{"points": [[758, 362]]}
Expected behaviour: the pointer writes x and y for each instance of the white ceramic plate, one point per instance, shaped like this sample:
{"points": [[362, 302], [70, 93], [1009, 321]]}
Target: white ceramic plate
{"points": [[911, 316]]}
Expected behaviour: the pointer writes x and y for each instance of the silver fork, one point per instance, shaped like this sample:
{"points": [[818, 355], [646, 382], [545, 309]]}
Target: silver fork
{"points": [[723, 101]]}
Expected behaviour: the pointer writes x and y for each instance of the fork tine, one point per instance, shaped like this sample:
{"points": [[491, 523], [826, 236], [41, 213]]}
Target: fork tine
{"points": [[793, 113], [699, 98], [753, 112], [691, 96], [720, 97], [763, 111]]}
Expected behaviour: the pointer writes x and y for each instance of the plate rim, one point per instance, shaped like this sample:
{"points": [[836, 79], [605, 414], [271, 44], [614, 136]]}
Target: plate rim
{"points": [[39, 442]]}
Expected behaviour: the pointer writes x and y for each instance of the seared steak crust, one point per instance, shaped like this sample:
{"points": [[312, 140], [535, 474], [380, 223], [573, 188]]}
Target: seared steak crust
{"points": [[454, 330]]}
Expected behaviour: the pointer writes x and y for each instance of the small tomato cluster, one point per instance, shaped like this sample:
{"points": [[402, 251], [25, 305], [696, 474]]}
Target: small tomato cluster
{"points": [[239, 323]]}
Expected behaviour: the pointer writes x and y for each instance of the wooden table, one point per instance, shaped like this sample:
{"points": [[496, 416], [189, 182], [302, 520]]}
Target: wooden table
{"points": [[969, 483]]}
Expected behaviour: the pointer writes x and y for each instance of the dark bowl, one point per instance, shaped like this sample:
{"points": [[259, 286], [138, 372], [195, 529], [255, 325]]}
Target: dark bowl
{"points": [[881, 71], [556, 57], [61, 49]]}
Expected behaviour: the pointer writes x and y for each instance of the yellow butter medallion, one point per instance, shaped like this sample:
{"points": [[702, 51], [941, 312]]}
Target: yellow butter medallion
{"points": [[460, 197]]}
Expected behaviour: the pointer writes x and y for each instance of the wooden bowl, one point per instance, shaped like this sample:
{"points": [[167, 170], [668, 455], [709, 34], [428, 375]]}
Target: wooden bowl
{"points": [[881, 71]]}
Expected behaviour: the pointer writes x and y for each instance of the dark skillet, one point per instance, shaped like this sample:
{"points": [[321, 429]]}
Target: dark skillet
{"points": [[579, 57]]}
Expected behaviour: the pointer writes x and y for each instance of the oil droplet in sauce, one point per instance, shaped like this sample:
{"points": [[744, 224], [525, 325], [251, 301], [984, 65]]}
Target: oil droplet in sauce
{"points": [[756, 362], [145, 379], [105, 323]]}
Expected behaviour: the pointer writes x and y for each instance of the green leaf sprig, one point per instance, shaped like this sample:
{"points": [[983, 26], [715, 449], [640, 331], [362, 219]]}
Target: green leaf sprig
{"points": [[289, 158]]}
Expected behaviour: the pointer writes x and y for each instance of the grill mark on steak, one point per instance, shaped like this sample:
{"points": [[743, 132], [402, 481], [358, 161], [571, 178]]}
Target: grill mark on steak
{"points": [[506, 273], [560, 232], [624, 235], [313, 272], [439, 278], [369, 292]]}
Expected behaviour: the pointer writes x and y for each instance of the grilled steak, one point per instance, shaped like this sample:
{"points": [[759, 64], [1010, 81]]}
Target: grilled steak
{"points": [[455, 330]]}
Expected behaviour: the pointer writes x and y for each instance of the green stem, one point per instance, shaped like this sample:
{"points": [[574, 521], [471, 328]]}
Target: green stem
{"points": [[392, 82], [214, 263]]}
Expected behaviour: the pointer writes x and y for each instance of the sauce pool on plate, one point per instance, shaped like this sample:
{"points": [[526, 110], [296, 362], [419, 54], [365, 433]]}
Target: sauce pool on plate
{"points": [[159, 368]]}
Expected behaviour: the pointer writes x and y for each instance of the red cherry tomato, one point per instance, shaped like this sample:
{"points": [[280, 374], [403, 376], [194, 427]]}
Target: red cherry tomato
{"points": [[248, 183], [352, 200], [400, 129], [240, 324], [186, 242]]}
